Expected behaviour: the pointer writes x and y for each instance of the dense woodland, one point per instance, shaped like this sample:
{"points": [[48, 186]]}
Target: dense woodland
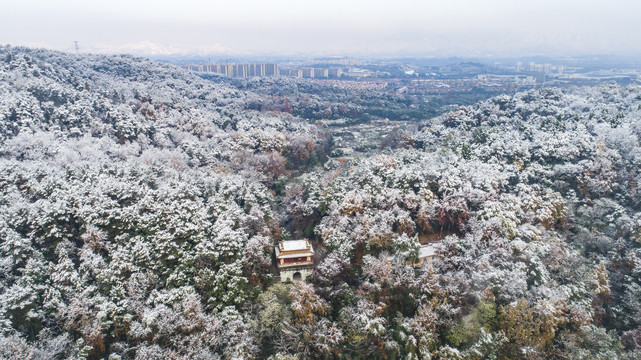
{"points": [[140, 203], [314, 101]]}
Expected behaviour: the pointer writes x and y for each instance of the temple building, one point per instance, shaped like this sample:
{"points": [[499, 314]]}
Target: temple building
{"points": [[426, 255], [294, 259]]}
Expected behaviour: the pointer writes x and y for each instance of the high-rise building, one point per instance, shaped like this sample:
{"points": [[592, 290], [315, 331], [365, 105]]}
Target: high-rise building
{"points": [[297, 73], [320, 73], [237, 69], [334, 72], [271, 69], [308, 73]]}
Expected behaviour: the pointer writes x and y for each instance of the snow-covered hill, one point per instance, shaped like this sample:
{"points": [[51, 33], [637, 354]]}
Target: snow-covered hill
{"points": [[140, 203]]}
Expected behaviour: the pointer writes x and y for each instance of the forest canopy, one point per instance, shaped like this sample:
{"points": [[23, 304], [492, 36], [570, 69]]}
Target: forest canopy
{"points": [[140, 205]]}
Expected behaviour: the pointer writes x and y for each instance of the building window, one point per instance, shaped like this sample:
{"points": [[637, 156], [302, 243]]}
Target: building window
{"points": [[297, 276]]}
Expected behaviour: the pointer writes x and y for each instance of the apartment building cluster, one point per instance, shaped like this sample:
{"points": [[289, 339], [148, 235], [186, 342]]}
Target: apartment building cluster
{"points": [[238, 69], [313, 73], [542, 68], [271, 69]]}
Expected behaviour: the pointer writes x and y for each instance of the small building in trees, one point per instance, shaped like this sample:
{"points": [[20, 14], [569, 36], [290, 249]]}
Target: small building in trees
{"points": [[294, 259], [425, 255]]}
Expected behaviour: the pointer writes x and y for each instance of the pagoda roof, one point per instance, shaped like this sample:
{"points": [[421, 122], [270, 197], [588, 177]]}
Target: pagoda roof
{"points": [[294, 245], [294, 248]]}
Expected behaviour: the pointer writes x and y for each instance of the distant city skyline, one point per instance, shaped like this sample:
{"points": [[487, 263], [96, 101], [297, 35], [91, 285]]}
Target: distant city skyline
{"points": [[331, 27]]}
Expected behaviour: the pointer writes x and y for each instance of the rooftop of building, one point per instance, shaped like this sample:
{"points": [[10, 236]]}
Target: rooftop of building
{"points": [[426, 250], [293, 249], [294, 245]]}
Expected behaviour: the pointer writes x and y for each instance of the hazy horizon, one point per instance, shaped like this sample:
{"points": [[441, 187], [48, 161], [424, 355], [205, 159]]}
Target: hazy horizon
{"points": [[331, 28]]}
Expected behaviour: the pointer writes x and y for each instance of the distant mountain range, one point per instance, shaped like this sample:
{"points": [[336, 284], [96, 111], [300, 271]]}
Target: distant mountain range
{"points": [[150, 48]]}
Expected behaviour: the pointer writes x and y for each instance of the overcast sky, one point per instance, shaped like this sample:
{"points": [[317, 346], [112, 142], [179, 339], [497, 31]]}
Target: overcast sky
{"points": [[331, 27]]}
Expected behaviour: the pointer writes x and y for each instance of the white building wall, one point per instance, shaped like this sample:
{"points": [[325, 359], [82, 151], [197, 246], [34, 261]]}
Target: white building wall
{"points": [[288, 274]]}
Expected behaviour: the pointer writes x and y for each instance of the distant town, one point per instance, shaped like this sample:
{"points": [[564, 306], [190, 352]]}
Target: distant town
{"points": [[431, 76]]}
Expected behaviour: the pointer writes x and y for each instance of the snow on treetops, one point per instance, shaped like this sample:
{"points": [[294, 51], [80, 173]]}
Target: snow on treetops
{"points": [[140, 208]]}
